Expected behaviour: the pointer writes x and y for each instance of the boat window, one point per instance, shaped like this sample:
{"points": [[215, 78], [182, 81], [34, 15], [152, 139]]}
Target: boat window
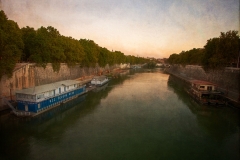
{"points": [[209, 88], [51, 93], [30, 97], [202, 86], [40, 96]]}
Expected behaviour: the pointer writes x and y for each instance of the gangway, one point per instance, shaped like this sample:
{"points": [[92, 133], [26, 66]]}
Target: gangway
{"points": [[16, 112], [9, 104]]}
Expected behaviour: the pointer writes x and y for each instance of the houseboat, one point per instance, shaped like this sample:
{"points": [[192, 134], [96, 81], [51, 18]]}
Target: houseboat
{"points": [[38, 99], [205, 93], [99, 80]]}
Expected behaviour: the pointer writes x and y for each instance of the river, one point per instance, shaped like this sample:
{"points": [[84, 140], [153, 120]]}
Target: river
{"points": [[142, 114]]}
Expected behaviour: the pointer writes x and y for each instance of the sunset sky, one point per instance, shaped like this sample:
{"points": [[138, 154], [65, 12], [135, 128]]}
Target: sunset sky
{"points": [[146, 28]]}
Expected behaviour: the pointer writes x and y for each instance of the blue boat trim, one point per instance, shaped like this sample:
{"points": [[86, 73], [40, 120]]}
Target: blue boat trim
{"points": [[34, 106]]}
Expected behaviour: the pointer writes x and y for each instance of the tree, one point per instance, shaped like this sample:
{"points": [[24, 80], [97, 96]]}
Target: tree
{"points": [[72, 50], [47, 45], [218, 52], [11, 45], [173, 59], [91, 50], [103, 57], [44, 46], [221, 51]]}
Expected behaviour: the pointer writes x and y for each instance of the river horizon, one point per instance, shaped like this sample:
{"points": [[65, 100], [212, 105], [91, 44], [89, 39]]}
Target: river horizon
{"points": [[141, 114]]}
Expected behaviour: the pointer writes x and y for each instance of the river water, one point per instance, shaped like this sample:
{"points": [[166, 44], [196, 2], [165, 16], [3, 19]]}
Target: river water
{"points": [[142, 114]]}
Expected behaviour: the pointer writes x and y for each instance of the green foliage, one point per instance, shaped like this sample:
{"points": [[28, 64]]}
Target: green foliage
{"points": [[173, 59], [73, 50], [221, 51], [191, 57], [56, 66], [151, 64], [104, 55], [217, 53], [11, 45], [47, 45], [91, 50]]}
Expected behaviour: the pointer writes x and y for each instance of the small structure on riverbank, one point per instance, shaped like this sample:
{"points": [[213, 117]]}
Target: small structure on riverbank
{"points": [[205, 92]]}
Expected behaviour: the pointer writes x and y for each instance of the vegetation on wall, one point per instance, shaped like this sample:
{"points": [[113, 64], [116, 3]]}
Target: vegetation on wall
{"points": [[219, 52], [47, 45]]}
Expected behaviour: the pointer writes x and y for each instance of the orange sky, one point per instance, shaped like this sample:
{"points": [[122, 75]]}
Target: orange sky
{"points": [[154, 28]]}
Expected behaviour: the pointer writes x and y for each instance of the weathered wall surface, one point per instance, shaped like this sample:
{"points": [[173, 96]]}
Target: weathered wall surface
{"points": [[22, 77], [228, 79], [29, 75]]}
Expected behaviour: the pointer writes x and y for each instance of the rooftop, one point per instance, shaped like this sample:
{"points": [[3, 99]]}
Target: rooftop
{"points": [[47, 87], [99, 78], [202, 82]]}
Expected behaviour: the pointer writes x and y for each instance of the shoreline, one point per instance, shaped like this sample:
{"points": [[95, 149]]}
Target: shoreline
{"points": [[233, 102]]}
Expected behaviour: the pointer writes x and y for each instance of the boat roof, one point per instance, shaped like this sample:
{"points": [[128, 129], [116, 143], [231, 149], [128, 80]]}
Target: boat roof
{"points": [[47, 87], [99, 77], [202, 82]]}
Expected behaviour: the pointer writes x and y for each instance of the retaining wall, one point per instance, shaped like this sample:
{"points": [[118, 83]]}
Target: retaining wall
{"points": [[228, 79], [27, 75]]}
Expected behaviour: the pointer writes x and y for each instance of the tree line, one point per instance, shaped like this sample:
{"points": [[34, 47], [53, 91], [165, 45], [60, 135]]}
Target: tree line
{"points": [[218, 52], [46, 45]]}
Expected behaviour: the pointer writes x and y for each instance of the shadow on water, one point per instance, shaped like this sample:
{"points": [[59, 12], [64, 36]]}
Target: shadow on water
{"points": [[24, 138], [16, 133], [218, 122]]}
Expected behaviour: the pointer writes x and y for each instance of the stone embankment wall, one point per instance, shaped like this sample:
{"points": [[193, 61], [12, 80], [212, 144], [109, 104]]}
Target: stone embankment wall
{"points": [[27, 75], [228, 79]]}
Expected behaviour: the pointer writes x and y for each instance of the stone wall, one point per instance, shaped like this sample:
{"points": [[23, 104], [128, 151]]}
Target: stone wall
{"points": [[228, 79], [27, 75]]}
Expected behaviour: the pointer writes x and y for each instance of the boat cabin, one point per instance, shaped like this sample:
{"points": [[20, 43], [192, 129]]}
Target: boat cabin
{"points": [[205, 92], [38, 98], [203, 85], [99, 80]]}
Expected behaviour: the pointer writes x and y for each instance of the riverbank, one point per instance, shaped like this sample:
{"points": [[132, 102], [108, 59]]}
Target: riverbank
{"points": [[23, 78], [231, 94], [137, 116]]}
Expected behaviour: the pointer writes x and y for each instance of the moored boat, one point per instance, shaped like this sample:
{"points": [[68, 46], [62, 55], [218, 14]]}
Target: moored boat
{"points": [[206, 93], [38, 99], [99, 80]]}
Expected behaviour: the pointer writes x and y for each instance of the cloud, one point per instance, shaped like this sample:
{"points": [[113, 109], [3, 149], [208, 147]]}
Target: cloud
{"points": [[154, 27]]}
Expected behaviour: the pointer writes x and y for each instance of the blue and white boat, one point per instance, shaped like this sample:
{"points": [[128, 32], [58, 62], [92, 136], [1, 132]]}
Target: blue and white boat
{"points": [[38, 99], [99, 80]]}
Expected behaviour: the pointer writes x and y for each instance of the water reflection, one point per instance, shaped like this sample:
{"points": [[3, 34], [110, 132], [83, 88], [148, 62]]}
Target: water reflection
{"points": [[18, 135], [143, 114], [218, 122]]}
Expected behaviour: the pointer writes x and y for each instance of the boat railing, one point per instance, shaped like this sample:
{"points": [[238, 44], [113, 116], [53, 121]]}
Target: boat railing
{"points": [[23, 113]]}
